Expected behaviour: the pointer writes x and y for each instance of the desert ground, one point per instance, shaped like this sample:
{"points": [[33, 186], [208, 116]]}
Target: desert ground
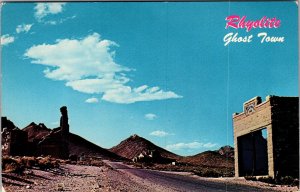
{"points": [[117, 176]]}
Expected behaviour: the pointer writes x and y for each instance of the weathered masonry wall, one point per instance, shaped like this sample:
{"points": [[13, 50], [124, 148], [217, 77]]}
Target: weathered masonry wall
{"points": [[280, 117], [285, 123], [14, 141]]}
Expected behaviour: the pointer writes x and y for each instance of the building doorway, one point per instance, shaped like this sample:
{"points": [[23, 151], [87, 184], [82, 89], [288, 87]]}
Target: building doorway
{"points": [[253, 153]]}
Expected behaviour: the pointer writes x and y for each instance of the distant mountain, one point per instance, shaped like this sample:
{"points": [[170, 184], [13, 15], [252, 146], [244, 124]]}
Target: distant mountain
{"points": [[135, 145], [226, 151], [209, 158], [77, 144]]}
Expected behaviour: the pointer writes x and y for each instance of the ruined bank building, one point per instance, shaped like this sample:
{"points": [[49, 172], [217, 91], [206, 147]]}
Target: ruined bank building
{"points": [[15, 141], [266, 137]]}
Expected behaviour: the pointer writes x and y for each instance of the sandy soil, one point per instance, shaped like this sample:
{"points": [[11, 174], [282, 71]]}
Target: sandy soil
{"points": [[77, 178]]}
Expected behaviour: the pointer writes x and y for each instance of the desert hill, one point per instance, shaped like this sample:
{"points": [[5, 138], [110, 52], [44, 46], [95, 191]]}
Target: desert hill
{"points": [[129, 148], [78, 145], [135, 145], [209, 158], [226, 151]]}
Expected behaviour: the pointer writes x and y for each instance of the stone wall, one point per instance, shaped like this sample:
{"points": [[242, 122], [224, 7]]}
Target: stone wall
{"points": [[285, 126], [14, 141], [51, 145]]}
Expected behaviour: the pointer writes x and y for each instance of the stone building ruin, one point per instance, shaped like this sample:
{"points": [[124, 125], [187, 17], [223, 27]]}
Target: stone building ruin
{"points": [[16, 142], [266, 137], [56, 142]]}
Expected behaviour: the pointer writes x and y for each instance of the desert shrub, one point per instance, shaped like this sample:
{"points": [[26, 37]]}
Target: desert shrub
{"points": [[251, 178], [262, 179], [67, 161], [288, 180], [210, 173], [47, 163], [54, 163], [207, 173], [81, 163], [11, 165], [29, 162], [295, 183], [97, 163], [147, 164], [138, 165], [267, 180], [73, 157], [18, 164]]}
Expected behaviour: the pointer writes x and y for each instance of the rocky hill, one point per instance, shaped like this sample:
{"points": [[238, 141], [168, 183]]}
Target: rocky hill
{"points": [[226, 151], [135, 145], [210, 159], [77, 144]]}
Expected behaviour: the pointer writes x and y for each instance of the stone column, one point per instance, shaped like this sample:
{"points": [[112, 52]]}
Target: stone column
{"points": [[64, 128], [271, 171], [236, 155]]}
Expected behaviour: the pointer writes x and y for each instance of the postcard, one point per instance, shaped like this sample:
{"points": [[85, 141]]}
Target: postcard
{"points": [[150, 96]]}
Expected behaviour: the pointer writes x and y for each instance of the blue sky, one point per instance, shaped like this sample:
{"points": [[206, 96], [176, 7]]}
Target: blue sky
{"points": [[159, 70]]}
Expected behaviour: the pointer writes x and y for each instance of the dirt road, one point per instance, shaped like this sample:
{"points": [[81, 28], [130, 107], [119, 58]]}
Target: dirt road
{"points": [[181, 182]]}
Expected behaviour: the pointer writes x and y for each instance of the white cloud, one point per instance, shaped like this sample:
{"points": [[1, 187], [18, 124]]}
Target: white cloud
{"points": [[88, 66], [23, 28], [44, 9], [128, 95], [92, 100], [209, 145], [73, 60], [99, 85], [192, 145], [60, 21], [51, 22], [150, 116], [159, 133], [7, 39]]}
